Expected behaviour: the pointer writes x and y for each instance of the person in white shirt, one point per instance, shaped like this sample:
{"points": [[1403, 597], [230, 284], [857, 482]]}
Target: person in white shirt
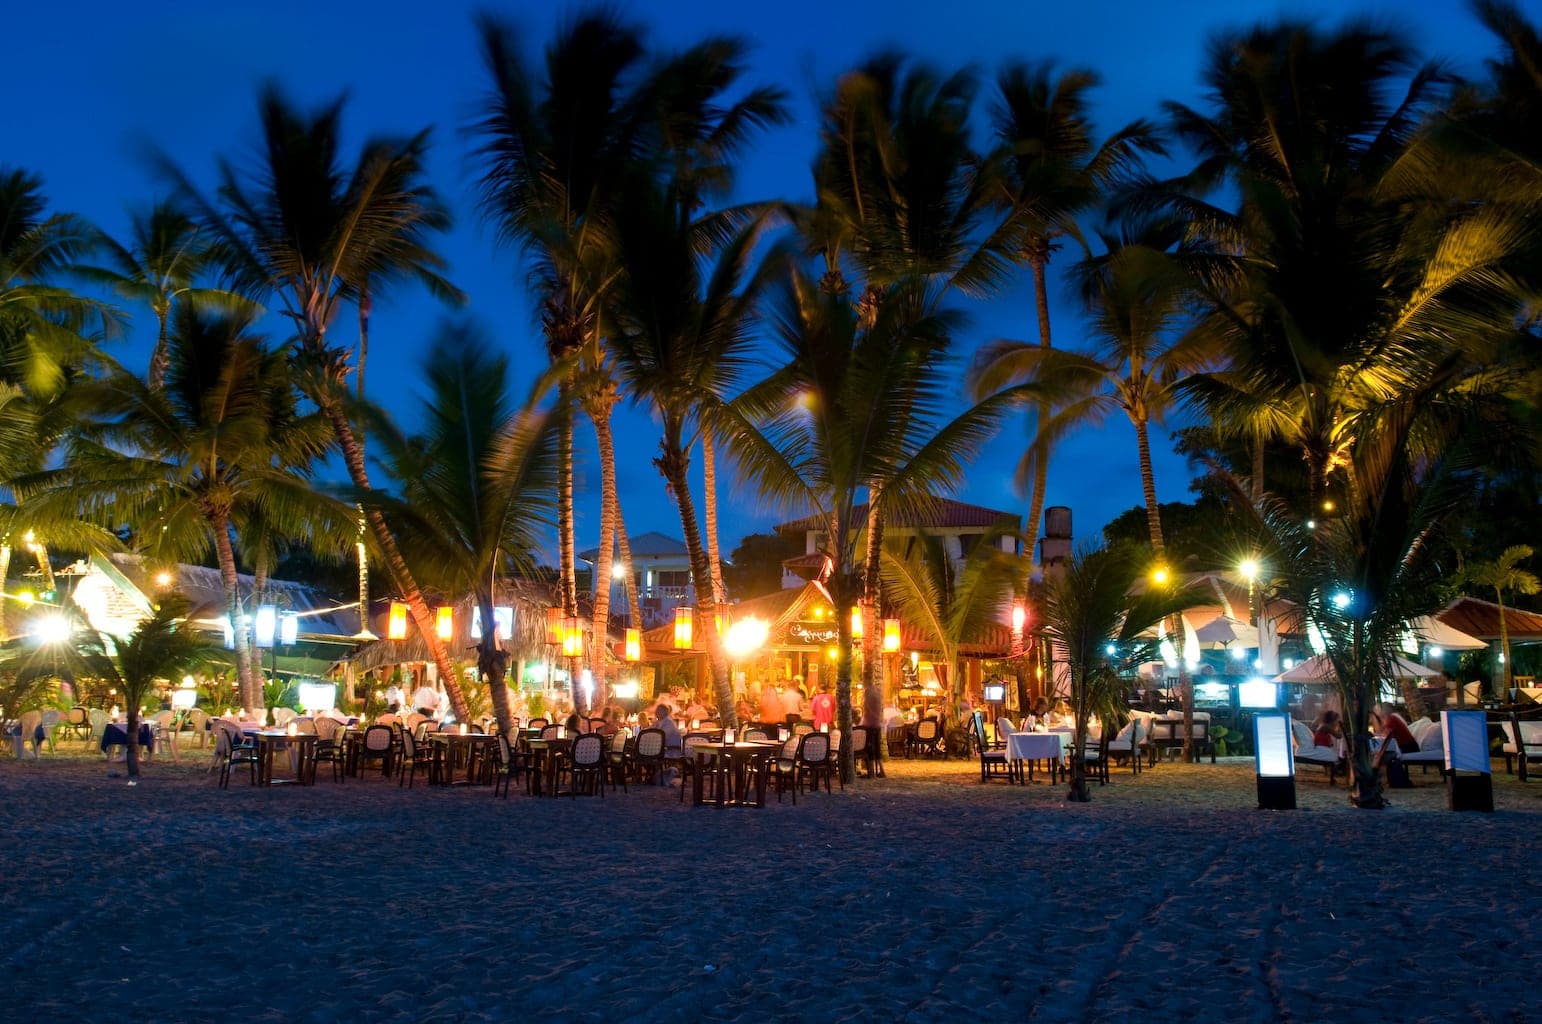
{"points": [[663, 722]]}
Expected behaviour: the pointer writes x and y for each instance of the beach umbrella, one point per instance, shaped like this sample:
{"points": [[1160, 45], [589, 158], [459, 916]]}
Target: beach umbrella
{"points": [[1320, 670], [1226, 631]]}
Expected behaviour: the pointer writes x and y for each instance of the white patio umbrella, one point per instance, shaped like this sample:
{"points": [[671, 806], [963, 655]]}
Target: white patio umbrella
{"points": [[1320, 670], [1430, 630], [1227, 631]]}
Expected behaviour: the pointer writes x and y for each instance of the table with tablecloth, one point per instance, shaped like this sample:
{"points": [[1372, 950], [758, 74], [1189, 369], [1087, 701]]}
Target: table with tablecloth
{"points": [[1028, 747], [116, 735]]}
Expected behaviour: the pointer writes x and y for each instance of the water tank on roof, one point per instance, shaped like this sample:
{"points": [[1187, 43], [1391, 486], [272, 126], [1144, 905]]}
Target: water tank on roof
{"points": [[1057, 522]]}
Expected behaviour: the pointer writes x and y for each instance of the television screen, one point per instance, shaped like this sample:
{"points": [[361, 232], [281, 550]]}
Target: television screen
{"points": [[1258, 693], [995, 692]]}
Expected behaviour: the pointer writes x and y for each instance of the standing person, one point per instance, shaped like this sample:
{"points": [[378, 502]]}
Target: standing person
{"points": [[822, 708], [770, 704]]}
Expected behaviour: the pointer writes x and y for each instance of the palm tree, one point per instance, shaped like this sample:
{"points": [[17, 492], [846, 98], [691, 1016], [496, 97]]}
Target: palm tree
{"points": [[159, 268], [476, 488], [163, 648], [1505, 574], [1051, 170], [311, 232], [220, 443], [953, 604], [1095, 603], [858, 400]]}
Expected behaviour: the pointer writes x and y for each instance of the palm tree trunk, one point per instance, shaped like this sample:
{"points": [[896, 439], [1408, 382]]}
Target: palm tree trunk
{"points": [[566, 570], [1174, 624], [251, 693], [843, 718], [1148, 485], [131, 752], [673, 463], [353, 457], [1038, 261], [605, 443], [5, 576], [709, 507], [624, 546], [261, 570], [872, 635], [160, 359], [1504, 643], [493, 664], [366, 306]]}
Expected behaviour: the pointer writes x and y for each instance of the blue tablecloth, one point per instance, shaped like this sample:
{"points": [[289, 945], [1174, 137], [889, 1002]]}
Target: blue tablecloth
{"points": [[117, 736]]}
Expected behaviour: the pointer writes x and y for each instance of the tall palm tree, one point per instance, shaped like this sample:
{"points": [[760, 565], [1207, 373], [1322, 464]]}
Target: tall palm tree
{"points": [[1050, 170], [159, 267], [308, 231], [1505, 574], [1095, 603], [476, 488], [859, 399], [220, 442]]}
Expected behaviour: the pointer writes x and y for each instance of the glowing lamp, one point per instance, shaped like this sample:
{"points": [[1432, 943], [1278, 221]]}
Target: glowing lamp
{"points": [[683, 628], [856, 623], [291, 729], [317, 696], [1249, 569], [1258, 693], [163, 579], [1160, 575], [53, 629], [625, 690], [396, 624], [721, 618], [181, 700], [554, 626], [1019, 617], [891, 635], [572, 638], [745, 637], [265, 626], [288, 628], [1274, 761], [444, 623], [634, 644], [618, 571]]}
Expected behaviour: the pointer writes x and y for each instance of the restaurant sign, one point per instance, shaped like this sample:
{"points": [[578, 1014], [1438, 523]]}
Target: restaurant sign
{"points": [[809, 634]]}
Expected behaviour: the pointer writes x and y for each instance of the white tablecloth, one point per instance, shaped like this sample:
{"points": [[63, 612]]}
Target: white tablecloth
{"points": [[1037, 746]]}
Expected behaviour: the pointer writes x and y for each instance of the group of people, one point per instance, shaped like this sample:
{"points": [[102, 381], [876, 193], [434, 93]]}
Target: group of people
{"points": [[1385, 725]]}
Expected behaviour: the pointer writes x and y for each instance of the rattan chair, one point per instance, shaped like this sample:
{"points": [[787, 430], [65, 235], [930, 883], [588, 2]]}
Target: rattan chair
{"points": [[231, 748], [587, 762], [378, 745], [648, 755]]}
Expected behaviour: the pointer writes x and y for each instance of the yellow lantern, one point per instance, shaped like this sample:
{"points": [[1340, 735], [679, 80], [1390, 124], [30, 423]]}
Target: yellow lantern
{"points": [[634, 645], [445, 623], [856, 623], [554, 626], [891, 635], [572, 638], [721, 618], [683, 628], [396, 625]]}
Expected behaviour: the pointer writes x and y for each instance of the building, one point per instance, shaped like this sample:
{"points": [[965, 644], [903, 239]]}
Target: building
{"points": [[958, 525], [661, 571]]}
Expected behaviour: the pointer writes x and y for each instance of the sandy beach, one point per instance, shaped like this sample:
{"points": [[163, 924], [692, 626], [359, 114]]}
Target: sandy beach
{"points": [[925, 896]]}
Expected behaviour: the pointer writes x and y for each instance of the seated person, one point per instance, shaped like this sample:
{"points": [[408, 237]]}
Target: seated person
{"points": [[663, 722], [1327, 730], [1390, 725]]}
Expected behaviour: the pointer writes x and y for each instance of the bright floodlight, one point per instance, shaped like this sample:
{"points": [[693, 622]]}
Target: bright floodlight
{"points": [[625, 690], [1249, 569], [53, 629], [1238, 653], [746, 637], [1109, 650], [1341, 600], [618, 571], [1436, 652]]}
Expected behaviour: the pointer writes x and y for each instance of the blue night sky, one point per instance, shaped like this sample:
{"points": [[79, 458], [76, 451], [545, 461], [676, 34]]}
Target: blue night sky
{"points": [[87, 84]]}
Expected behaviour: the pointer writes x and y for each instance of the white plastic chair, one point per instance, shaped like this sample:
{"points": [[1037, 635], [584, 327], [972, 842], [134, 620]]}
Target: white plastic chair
{"points": [[51, 720], [283, 716]]}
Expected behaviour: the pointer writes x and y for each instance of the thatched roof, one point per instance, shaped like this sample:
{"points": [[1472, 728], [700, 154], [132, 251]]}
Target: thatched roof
{"points": [[528, 600]]}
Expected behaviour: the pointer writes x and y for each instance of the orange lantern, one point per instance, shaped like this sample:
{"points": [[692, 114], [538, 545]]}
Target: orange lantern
{"points": [[572, 638], [445, 623], [856, 622], [634, 645], [554, 626], [891, 635], [1019, 617], [721, 618], [396, 624], [683, 628]]}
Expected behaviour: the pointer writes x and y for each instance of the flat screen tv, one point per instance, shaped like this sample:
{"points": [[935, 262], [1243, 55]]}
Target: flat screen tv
{"points": [[995, 693], [1258, 693]]}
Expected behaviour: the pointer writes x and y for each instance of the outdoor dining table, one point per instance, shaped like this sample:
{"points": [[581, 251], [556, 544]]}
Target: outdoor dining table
{"points": [[1028, 747], [731, 762], [270, 741], [116, 735], [451, 748], [546, 770]]}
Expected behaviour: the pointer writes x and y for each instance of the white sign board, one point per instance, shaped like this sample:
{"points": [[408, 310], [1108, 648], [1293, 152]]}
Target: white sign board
{"points": [[1271, 746], [1466, 737]]}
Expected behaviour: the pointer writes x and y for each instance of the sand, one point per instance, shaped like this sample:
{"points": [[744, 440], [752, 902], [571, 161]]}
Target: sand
{"points": [[926, 896]]}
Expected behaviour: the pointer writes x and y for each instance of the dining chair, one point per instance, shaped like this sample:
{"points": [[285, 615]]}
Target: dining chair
{"points": [[587, 761]]}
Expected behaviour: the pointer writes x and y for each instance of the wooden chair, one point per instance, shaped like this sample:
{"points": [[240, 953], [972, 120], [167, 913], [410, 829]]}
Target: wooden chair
{"points": [[928, 737], [993, 760], [1522, 742], [412, 756], [231, 747], [78, 722]]}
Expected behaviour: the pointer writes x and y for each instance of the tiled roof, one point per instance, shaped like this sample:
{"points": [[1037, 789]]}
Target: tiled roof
{"points": [[940, 513], [1480, 618]]}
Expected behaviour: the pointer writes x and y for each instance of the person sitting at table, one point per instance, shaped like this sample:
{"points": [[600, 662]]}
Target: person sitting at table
{"points": [[571, 724], [1327, 730], [1389, 725], [673, 742]]}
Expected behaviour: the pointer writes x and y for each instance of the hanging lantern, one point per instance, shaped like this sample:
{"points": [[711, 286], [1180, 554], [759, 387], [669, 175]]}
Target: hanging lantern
{"points": [[444, 623], [396, 625], [266, 625], [288, 628], [554, 626], [1019, 617], [683, 628], [722, 618], [634, 645], [856, 622], [891, 635], [572, 638]]}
